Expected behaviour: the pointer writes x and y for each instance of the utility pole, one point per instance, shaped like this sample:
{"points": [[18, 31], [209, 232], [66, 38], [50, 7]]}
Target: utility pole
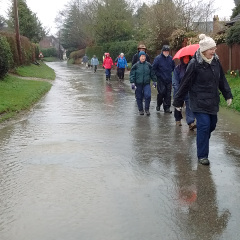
{"points": [[17, 31]]}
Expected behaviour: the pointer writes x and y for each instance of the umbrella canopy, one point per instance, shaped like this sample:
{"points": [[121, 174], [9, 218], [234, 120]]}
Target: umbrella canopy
{"points": [[188, 50]]}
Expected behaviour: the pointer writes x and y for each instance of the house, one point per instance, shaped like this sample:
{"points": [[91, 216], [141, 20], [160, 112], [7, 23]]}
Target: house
{"points": [[210, 27], [232, 21], [52, 42]]}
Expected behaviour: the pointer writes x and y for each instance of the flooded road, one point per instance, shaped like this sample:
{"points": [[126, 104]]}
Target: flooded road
{"points": [[82, 164]]}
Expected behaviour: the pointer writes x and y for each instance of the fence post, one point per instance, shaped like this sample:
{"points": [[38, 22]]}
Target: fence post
{"points": [[230, 57]]}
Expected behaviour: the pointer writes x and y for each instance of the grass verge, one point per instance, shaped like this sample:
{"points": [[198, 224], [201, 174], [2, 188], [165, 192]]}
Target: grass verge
{"points": [[234, 84], [36, 71], [17, 94]]}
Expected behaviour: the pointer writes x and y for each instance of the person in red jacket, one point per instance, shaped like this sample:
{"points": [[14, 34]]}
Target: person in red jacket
{"points": [[107, 64]]}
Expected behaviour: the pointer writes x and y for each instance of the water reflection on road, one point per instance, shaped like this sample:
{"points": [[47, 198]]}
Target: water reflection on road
{"points": [[82, 164]]}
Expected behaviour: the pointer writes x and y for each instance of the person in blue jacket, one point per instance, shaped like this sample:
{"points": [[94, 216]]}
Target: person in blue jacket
{"points": [[141, 75], [121, 64], [163, 66], [178, 74], [94, 63]]}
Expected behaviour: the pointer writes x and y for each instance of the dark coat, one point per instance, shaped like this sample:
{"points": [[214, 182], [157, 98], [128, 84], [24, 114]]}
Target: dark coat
{"points": [[135, 58], [203, 81], [163, 67], [142, 73]]}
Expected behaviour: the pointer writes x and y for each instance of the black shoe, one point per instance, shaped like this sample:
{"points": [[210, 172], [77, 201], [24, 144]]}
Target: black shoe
{"points": [[141, 112], [147, 112], [158, 108], [168, 111], [203, 161]]}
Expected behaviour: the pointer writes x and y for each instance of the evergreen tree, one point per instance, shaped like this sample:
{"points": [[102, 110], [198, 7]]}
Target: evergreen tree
{"points": [[29, 25], [113, 21]]}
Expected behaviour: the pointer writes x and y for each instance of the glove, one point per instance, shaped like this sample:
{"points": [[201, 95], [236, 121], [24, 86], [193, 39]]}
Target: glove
{"points": [[154, 85], [179, 109], [133, 86], [229, 101]]}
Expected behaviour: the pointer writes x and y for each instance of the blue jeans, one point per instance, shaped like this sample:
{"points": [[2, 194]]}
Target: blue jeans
{"points": [[206, 123], [108, 73], [143, 91]]}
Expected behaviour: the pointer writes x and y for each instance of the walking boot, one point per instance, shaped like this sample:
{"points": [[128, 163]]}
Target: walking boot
{"points": [[192, 126], [141, 112], [158, 108], [203, 161], [147, 112], [168, 110], [178, 123]]}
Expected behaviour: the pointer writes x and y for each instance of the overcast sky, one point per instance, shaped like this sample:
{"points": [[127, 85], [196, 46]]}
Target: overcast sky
{"points": [[46, 10]]}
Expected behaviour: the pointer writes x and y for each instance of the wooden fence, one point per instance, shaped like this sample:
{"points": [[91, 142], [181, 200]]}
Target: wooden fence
{"points": [[229, 56]]}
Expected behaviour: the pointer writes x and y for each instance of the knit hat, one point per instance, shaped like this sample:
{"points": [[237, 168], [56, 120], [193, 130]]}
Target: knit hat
{"points": [[141, 53], [206, 42], [165, 48]]}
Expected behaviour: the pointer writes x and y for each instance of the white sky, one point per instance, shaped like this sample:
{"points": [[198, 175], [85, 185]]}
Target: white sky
{"points": [[46, 10]]}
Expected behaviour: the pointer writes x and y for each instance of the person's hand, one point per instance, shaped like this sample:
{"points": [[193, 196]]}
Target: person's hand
{"points": [[229, 101], [179, 109], [154, 85], [133, 86]]}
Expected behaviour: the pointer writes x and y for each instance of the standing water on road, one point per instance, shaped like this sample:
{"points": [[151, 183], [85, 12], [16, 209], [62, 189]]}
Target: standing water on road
{"points": [[82, 164]]}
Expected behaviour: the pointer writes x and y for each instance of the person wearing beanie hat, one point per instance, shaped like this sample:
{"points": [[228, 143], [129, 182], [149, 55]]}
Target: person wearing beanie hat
{"points": [[163, 65], [203, 80], [141, 47], [141, 75], [206, 43], [141, 53]]}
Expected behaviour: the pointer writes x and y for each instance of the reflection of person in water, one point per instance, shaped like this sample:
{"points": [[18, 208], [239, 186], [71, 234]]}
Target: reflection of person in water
{"points": [[204, 216], [197, 192]]}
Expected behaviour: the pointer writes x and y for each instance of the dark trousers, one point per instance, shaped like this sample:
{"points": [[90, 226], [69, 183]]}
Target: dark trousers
{"points": [[121, 73], [108, 73], [164, 94], [206, 124], [143, 91], [189, 114]]}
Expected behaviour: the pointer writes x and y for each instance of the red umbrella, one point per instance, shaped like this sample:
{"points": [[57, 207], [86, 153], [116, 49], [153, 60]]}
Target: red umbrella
{"points": [[188, 50]]}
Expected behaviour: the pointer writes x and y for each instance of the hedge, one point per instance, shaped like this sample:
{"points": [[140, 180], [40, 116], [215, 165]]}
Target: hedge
{"points": [[5, 56]]}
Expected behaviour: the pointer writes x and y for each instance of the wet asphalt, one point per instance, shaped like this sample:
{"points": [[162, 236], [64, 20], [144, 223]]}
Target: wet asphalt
{"points": [[82, 164]]}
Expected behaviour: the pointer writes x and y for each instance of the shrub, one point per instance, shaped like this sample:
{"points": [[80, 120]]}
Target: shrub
{"points": [[233, 34], [95, 50], [77, 54], [49, 52], [5, 56], [129, 48]]}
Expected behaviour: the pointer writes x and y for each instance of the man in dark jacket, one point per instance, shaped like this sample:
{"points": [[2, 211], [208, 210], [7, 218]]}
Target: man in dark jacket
{"points": [[135, 58], [202, 81], [163, 65]]}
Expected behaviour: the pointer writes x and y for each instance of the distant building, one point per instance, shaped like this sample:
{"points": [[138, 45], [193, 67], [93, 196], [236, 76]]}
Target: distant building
{"points": [[210, 27], [52, 42], [232, 21]]}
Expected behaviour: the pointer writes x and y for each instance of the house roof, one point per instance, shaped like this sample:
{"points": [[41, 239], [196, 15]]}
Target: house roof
{"points": [[232, 21]]}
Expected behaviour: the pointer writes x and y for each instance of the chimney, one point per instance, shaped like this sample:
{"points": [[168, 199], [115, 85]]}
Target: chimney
{"points": [[216, 24]]}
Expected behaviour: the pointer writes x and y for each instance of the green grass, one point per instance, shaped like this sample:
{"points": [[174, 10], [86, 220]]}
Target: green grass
{"points": [[234, 83], [36, 71], [17, 94]]}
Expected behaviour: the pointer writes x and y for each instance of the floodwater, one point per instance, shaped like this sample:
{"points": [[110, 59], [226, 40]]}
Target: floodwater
{"points": [[83, 165]]}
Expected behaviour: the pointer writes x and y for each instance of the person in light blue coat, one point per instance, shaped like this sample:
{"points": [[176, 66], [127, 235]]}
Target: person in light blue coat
{"points": [[121, 64], [94, 63]]}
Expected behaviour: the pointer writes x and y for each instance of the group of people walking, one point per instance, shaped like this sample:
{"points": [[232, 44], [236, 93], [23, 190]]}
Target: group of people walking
{"points": [[196, 81]]}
